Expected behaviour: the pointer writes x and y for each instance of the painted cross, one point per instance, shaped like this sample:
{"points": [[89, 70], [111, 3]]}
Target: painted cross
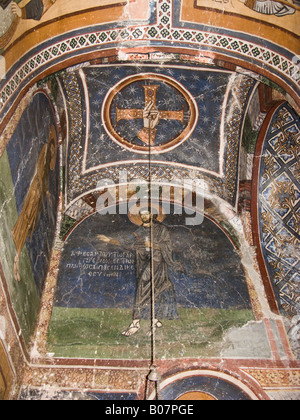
{"points": [[180, 114], [150, 114]]}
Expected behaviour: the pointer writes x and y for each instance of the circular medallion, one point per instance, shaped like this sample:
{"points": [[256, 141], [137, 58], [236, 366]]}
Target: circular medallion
{"points": [[149, 113], [196, 396]]}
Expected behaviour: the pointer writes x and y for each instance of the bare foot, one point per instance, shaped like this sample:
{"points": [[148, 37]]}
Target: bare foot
{"points": [[157, 324], [132, 329]]}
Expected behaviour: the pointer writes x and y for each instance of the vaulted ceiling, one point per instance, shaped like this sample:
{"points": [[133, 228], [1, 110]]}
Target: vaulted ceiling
{"points": [[157, 92], [103, 142]]}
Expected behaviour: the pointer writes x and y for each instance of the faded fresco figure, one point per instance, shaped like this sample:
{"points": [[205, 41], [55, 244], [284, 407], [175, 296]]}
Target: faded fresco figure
{"points": [[33, 10], [165, 299], [11, 14], [34, 202], [270, 7]]}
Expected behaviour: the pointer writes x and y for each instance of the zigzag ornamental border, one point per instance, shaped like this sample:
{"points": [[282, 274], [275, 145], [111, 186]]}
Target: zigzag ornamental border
{"points": [[160, 33], [73, 93], [242, 90]]}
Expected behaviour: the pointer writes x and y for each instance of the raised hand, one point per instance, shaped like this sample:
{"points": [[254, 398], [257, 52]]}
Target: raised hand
{"points": [[151, 116], [17, 11]]}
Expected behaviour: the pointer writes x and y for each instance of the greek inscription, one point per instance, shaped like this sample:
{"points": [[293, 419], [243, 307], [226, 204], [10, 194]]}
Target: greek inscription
{"points": [[98, 263]]}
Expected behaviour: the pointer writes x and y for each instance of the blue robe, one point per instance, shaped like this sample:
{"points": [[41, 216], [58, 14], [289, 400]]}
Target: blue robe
{"points": [[165, 298]]}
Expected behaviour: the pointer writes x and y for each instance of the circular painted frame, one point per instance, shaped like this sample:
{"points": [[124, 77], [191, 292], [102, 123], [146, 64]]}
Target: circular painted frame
{"points": [[219, 385], [145, 150]]}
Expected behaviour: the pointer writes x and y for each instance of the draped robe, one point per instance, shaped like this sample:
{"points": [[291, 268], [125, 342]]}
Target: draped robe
{"points": [[270, 7], [164, 292], [36, 8]]}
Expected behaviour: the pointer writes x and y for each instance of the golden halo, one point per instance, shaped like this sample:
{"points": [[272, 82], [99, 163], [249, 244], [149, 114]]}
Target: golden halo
{"points": [[156, 209], [196, 396]]}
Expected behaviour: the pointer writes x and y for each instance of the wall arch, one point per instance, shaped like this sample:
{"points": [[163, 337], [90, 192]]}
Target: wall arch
{"points": [[276, 154], [228, 388], [29, 192]]}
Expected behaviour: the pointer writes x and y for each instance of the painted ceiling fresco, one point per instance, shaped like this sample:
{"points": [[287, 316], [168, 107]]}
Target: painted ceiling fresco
{"points": [[166, 23], [34, 12], [198, 127], [103, 98]]}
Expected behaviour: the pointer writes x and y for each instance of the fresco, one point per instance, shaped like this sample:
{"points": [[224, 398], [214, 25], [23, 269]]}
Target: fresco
{"points": [[279, 13], [177, 96], [167, 23], [180, 114], [13, 13], [34, 9], [39, 394], [206, 388], [29, 197], [102, 303], [194, 122], [262, 7], [279, 189], [169, 80]]}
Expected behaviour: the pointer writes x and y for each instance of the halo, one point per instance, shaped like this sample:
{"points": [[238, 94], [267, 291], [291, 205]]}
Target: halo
{"points": [[155, 208]]}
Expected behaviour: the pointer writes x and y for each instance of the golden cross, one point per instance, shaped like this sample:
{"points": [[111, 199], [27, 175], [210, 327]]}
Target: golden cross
{"points": [[148, 133]]}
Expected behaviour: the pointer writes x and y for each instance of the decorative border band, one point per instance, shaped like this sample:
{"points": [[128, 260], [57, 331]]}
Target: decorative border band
{"points": [[160, 33]]}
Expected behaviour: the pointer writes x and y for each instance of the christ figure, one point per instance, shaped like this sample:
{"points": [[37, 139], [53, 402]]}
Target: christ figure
{"points": [[152, 265]]}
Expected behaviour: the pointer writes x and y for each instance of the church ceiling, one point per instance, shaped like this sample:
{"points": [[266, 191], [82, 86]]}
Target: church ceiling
{"points": [[167, 24], [102, 97], [200, 113]]}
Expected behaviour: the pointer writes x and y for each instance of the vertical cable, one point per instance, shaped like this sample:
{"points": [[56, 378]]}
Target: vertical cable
{"points": [[154, 374], [153, 355]]}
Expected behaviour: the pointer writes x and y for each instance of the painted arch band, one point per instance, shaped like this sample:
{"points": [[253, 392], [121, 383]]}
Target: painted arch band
{"points": [[186, 116]]}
